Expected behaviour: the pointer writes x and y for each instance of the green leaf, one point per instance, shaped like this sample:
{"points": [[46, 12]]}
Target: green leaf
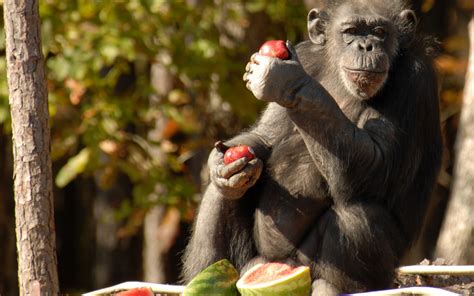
{"points": [[3, 114], [255, 6], [2, 40], [59, 67], [76, 165], [110, 52]]}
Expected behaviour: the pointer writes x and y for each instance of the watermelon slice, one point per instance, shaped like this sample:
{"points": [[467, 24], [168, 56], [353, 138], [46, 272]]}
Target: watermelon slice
{"points": [[217, 279], [137, 292], [275, 279]]}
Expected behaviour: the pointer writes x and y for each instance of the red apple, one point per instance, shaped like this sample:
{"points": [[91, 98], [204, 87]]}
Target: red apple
{"points": [[137, 292], [275, 48], [237, 152]]}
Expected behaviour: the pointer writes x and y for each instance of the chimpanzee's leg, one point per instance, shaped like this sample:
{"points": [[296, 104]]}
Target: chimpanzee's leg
{"points": [[223, 229], [352, 248]]}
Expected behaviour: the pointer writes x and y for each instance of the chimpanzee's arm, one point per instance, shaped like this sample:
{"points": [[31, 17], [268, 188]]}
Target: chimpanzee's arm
{"points": [[233, 180], [268, 129], [224, 225], [354, 157]]}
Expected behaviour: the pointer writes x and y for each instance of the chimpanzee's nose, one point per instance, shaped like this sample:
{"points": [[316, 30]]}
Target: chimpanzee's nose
{"points": [[365, 46]]}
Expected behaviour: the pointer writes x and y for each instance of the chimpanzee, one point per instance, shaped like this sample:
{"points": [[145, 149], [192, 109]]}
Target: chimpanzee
{"points": [[348, 151]]}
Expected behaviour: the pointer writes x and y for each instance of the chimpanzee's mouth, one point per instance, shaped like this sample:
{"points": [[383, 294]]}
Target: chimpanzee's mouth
{"points": [[363, 78], [362, 70]]}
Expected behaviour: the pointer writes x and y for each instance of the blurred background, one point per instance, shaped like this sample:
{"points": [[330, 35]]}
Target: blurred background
{"points": [[139, 90]]}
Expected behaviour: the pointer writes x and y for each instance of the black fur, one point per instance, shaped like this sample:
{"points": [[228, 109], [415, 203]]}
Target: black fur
{"points": [[346, 181]]}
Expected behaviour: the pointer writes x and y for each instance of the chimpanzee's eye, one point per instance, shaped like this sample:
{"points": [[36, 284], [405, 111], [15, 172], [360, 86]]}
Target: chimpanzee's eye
{"points": [[380, 32], [349, 30]]}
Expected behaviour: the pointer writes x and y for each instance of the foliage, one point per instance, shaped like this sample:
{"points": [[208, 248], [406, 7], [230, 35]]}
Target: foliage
{"points": [[108, 119]]}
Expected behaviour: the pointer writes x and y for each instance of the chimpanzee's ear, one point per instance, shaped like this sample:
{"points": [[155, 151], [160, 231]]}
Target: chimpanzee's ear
{"points": [[317, 21], [406, 23]]}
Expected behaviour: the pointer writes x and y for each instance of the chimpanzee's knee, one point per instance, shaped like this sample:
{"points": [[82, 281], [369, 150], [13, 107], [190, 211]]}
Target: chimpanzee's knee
{"points": [[354, 247]]}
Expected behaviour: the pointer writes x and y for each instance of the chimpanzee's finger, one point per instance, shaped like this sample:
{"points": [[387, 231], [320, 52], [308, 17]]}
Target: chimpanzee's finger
{"points": [[261, 59], [220, 146], [239, 180], [292, 50], [253, 58], [248, 176], [232, 168], [248, 86], [247, 67]]}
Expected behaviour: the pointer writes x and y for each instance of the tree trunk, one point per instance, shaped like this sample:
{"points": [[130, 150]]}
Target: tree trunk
{"points": [[456, 240], [156, 244], [161, 229], [34, 212]]}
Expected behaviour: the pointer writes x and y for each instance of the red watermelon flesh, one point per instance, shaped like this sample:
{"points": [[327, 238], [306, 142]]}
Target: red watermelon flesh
{"points": [[137, 292], [269, 272]]}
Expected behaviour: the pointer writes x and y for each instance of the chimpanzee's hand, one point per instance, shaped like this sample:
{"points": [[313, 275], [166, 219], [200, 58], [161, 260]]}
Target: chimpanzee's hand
{"points": [[233, 179], [274, 80]]}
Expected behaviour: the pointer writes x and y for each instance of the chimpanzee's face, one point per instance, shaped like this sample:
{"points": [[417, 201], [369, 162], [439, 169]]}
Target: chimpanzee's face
{"points": [[364, 43]]}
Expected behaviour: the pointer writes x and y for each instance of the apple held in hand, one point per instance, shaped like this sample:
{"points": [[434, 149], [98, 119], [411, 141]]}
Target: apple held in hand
{"points": [[237, 152], [276, 49]]}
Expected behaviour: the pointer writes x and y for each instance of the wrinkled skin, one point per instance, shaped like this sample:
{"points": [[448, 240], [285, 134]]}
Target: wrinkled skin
{"points": [[350, 145], [234, 179]]}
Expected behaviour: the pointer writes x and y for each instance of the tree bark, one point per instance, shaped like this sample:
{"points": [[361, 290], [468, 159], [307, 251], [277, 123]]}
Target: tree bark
{"points": [[34, 212], [155, 242], [456, 241]]}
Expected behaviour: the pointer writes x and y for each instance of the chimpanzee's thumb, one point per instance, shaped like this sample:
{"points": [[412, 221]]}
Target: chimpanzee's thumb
{"points": [[292, 50]]}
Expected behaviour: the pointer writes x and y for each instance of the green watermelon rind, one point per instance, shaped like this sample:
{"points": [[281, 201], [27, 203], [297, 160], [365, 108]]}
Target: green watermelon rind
{"points": [[217, 279], [298, 284]]}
